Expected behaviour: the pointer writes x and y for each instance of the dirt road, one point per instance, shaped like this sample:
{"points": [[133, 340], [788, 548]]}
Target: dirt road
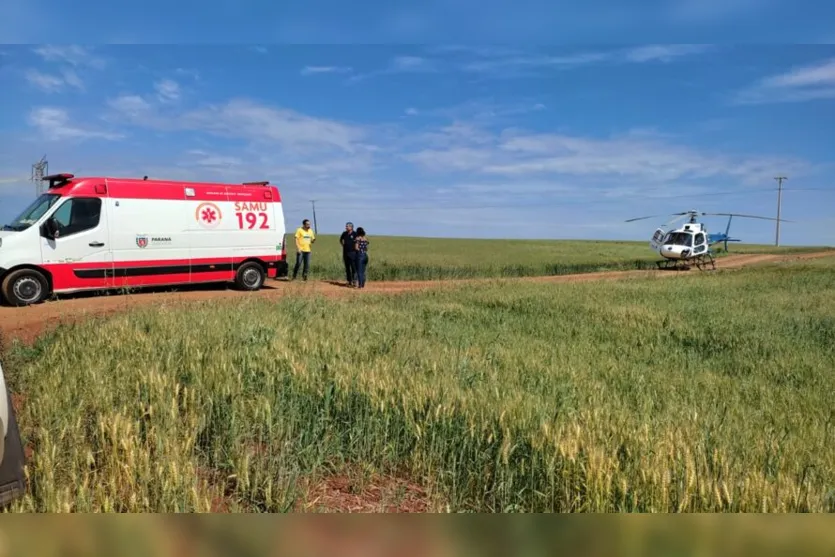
{"points": [[29, 322]]}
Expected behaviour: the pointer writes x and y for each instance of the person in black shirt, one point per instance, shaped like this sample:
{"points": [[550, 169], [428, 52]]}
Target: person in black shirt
{"points": [[349, 254]]}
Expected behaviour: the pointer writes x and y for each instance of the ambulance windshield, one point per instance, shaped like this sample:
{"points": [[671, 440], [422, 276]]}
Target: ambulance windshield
{"points": [[33, 212]]}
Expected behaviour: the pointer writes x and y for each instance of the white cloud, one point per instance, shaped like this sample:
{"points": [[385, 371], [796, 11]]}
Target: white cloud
{"points": [[54, 83], [12, 183], [523, 64], [468, 159], [133, 106], [270, 128], [504, 63], [479, 110], [500, 62], [54, 124], [409, 63], [194, 74], [813, 75], [70, 54], [216, 163], [256, 122], [71, 78], [638, 158], [809, 82], [663, 53], [400, 65], [168, 90], [46, 82], [311, 70]]}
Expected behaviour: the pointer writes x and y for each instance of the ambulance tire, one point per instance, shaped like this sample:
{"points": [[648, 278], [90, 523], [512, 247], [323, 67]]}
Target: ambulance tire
{"points": [[24, 287], [250, 276]]}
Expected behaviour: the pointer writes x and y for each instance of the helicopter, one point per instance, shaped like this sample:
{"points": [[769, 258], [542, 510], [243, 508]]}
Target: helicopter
{"points": [[691, 243]]}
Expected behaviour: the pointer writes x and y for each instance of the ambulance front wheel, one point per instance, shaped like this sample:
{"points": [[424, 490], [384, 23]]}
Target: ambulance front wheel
{"points": [[250, 276], [24, 287]]}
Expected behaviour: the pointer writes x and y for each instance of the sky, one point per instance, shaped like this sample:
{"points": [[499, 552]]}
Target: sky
{"points": [[476, 132]]}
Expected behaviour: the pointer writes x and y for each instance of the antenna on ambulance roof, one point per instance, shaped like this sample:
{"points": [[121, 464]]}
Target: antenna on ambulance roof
{"points": [[39, 170]]}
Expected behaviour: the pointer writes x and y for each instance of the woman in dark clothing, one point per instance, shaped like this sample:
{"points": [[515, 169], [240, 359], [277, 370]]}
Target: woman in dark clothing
{"points": [[361, 247]]}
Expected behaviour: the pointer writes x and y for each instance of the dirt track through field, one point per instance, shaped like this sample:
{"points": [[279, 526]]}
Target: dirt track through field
{"points": [[27, 323]]}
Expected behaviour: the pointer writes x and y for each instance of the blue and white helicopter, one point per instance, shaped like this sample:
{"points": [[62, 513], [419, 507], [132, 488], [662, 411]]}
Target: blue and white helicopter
{"points": [[691, 243]]}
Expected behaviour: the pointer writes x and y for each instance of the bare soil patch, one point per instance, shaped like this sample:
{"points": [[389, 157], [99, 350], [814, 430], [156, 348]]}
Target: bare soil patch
{"points": [[342, 493]]}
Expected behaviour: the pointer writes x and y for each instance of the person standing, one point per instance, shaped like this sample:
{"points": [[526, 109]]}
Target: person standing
{"points": [[304, 239], [349, 253], [361, 247]]}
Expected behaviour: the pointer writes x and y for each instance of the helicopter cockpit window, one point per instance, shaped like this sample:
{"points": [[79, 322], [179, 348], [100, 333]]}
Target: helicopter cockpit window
{"points": [[680, 239], [700, 239]]}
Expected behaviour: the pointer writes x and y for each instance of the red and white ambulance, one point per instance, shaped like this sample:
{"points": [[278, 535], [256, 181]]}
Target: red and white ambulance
{"points": [[98, 233]]}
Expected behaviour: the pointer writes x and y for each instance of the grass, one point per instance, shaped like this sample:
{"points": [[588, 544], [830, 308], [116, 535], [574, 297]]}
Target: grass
{"points": [[705, 392], [400, 258]]}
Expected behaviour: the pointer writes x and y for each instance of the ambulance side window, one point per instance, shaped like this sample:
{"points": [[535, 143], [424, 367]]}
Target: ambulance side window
{"points": [[77, 214]]}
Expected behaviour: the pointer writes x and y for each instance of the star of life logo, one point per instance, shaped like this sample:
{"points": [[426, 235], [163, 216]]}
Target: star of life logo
{"points": [[208, 215]]}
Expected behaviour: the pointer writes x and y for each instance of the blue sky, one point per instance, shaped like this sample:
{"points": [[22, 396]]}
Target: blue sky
{"points": [[427, 22], [470, 141]]}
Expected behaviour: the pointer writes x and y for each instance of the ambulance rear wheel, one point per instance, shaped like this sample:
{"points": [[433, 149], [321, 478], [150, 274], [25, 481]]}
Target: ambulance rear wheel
{"points": [[24, 287], [250, 276]]}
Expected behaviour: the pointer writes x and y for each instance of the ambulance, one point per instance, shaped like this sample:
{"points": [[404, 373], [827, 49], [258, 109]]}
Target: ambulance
{"points": [[100, 233]]}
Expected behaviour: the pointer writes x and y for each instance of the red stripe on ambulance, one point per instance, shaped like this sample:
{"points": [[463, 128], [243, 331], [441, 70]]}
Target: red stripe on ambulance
{"points": [[168, 190]]}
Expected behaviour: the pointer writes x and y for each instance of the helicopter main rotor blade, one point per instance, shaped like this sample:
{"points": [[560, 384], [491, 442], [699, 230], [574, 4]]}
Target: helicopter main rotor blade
{"points": [[655, 216], [676, 219], [745, 216], [642, 218]]}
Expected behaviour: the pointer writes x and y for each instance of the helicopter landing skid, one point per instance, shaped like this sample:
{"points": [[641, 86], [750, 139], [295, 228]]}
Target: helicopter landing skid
{"points": [[672, 265], [702, 262]]}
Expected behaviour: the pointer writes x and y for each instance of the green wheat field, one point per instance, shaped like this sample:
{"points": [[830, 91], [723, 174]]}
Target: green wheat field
{"points": [[693, 392], [402, 258]]}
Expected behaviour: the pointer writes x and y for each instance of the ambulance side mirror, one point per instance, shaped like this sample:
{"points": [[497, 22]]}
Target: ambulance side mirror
{"points": [[50, 229]]}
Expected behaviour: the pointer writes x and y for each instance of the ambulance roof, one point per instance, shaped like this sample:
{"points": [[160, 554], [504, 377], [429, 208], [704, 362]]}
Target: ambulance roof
{"points": [[68, 184]]}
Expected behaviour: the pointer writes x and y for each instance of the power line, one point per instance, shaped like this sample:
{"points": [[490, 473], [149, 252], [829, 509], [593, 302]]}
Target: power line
{"points": [[779, 202]]}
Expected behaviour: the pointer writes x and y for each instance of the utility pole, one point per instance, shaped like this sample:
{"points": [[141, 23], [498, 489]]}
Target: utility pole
{"points": [[779, 202], [39, 170], [315, 228]]}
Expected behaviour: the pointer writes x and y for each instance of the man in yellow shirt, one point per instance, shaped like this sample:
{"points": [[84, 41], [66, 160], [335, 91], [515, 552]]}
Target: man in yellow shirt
{"points": [[304, 239]]}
